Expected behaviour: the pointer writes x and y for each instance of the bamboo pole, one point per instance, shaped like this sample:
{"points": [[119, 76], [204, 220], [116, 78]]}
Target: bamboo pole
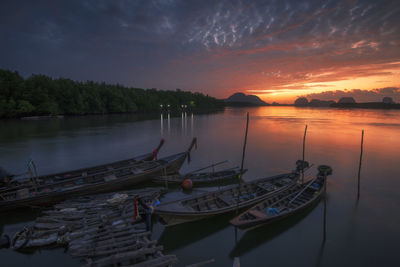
{"points": [[241, 167], [212, 165], [325, 197], [304, 148], [359, 166]]}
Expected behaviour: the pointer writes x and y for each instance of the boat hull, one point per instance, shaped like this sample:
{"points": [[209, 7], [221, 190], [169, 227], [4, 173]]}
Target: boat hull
{"points": [[263, 219], [171, 164], [254, 225], [173, 217]]}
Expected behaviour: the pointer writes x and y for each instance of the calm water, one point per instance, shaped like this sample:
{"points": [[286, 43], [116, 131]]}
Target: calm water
{"points": [[363, 233]]}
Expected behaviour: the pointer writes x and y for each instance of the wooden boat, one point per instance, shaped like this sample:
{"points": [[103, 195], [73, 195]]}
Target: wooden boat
{"points": [[110, 180], [288, 202], [9, 181], [202, 178], [225, 200]]}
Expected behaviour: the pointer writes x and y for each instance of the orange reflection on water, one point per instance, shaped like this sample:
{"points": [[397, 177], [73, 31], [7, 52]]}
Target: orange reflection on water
{"points": [[334, 135]]}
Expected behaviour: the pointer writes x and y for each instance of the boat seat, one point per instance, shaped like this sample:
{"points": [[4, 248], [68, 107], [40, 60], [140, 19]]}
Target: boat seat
{"points": [[22, 193], [263, 187], [224, 200], [257, 213], [110, 178]]}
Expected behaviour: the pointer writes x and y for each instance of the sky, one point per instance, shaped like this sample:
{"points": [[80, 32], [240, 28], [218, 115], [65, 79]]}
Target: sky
{"points": [[277, 50]]}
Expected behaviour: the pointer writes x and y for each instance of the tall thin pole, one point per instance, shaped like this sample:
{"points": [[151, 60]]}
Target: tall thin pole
{"points": [[304, 148], [325, 197], [359, 166], [241, 167]]}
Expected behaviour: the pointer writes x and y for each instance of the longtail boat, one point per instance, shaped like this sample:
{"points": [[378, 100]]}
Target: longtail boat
{"points": [[110, 180], [202, 178], [8, 180], [226, 200], [288, 202]]}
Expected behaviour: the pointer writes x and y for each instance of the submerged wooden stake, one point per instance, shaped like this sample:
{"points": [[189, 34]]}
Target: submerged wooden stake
{"points": [[304, 148], [236, 262], [241, 167], [359, 166]]}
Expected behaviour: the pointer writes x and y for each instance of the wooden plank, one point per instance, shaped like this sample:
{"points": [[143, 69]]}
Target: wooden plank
{"points": [[132, 255], [257, 213], [161, 261]]}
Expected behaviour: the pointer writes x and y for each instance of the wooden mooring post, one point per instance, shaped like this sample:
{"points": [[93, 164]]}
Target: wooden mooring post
{"points": [[241, 167], [325, 197], [359, 166], [304, 148]]}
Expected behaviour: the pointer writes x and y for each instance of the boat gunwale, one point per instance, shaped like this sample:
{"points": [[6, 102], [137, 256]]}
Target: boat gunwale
{"points": [[188, 213], [89, 188], [248, 225]]}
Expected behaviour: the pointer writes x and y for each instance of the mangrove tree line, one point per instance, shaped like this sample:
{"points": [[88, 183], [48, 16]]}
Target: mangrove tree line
{"points": [[43, 95]]}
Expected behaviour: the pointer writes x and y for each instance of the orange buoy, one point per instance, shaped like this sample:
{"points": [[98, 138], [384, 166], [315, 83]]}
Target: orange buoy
{"points": [[187, 184]]}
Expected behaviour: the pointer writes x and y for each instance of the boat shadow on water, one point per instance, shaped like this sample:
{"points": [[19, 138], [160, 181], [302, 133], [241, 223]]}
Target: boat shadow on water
{"points": [[187, 235], [18, 217], [258, 236]]}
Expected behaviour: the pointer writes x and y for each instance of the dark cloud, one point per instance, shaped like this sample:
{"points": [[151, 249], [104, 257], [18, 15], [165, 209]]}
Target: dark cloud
{"points": [[201, 45]]}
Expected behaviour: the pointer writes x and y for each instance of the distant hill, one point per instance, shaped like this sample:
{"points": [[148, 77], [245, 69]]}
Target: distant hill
{"points": [[371, 105], [240, 99]]}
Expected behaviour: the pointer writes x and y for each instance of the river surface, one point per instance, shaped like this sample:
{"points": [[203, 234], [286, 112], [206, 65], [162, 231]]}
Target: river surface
{"points": [[359, 233]]}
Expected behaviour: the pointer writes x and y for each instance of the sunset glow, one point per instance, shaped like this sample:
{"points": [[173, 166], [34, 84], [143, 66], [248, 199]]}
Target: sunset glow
{"points": [[276, 50]]}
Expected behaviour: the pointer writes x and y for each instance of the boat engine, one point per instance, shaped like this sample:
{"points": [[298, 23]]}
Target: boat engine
{"points": [[301, 165], [5, 177], [324, 169]]}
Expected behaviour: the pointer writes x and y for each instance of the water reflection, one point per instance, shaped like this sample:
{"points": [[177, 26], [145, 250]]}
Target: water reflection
{"points": [[320, 254], [162, 125], [365, 235], [191, 125], [183, 122], [191, 232], [169, 123]]}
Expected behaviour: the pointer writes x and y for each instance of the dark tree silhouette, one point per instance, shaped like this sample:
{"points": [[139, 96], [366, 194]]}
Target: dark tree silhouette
{"points": [[43, 95]]}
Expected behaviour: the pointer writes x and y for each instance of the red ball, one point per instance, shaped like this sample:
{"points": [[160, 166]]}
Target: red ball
{"points": [[187, 184]]}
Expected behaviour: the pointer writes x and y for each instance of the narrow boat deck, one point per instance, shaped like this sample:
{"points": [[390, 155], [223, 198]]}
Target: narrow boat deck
{"points": [[286, 203]]}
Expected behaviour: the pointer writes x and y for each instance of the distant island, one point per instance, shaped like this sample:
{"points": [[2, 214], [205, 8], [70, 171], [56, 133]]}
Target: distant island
{"points": [[241, 99], [40, 95], [347, 102]]}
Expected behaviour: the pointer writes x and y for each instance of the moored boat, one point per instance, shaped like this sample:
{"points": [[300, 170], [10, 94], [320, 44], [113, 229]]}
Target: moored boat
{"points": [[225, 200], [9, 181], [288, 202], [111, 180]]}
